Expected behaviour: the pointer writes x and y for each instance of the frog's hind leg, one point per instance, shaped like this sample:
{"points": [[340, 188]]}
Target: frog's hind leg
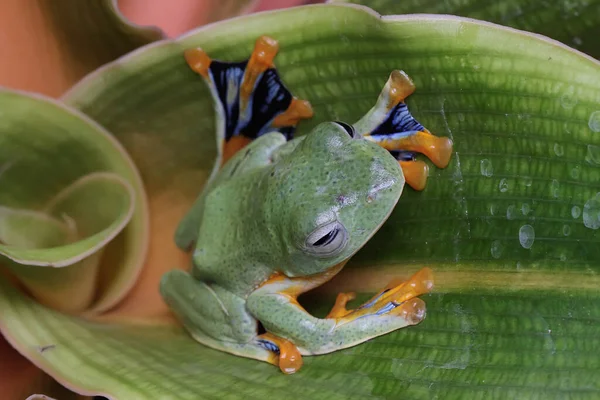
{"points": [[218, 318], [390, 124], [212, 315]]}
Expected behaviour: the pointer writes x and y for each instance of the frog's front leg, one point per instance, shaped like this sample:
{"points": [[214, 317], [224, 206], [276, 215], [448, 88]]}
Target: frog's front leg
{"points": [[274, 304], [390, 124]]}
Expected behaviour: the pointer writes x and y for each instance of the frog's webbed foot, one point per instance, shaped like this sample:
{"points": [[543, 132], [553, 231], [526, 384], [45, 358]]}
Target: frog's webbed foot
{"points": [[250, 98], [397, 298], [390, 124]]}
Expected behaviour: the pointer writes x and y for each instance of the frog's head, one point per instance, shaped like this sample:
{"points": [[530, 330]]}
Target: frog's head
{"points": [[328, 196]]}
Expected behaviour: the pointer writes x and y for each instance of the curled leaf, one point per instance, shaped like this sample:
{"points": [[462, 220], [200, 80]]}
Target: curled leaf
{"points": [[67, 191]]}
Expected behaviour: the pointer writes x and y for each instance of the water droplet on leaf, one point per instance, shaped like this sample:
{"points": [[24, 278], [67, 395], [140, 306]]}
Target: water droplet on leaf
{"points": [[487, 169], [593, 154], [496, 249], [591, 212], [575, 172], [568, 99], [510, 212], [526, 236], [559, 150]]}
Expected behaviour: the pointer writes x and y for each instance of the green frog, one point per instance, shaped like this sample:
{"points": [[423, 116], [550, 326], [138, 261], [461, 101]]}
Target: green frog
{"points": [[281, 216]]}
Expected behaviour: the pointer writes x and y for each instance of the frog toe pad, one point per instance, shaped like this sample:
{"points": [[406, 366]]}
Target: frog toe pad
{"points": [[412, 311], [415, 173], [198, 61], [398, 87]]}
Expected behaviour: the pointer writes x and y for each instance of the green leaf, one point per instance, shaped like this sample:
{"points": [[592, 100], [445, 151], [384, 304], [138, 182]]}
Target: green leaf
{"points": [[512, 317], [469, 346], [68, 190], [573, 22]]}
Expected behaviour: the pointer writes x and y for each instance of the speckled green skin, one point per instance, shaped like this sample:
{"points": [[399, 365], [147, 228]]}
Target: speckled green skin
{"points": [[257, 213]]}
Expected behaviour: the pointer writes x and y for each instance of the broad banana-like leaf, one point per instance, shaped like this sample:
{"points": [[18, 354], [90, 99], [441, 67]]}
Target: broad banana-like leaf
{"points": [[573, 22], [510, 228], [68, 189]]}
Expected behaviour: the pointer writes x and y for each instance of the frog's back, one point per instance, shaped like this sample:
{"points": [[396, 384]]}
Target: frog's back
{"points": [[230, 237], [255, 156]]}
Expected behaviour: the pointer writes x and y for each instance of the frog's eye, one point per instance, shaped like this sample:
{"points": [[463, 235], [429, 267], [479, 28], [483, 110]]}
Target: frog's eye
{"points": [[327, 240], [348, 128]]}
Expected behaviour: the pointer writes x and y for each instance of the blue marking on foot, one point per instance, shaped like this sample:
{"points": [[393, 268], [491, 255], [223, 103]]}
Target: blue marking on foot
{"points": [[269, 98], [268, 345], [372, 302], [397, 121], [387, 308], [404, 155]]}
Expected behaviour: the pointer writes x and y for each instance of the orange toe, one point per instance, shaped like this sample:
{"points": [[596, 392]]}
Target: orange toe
{"points": [[290, 359], [339, 308], [415, 173], [198, 61]]}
